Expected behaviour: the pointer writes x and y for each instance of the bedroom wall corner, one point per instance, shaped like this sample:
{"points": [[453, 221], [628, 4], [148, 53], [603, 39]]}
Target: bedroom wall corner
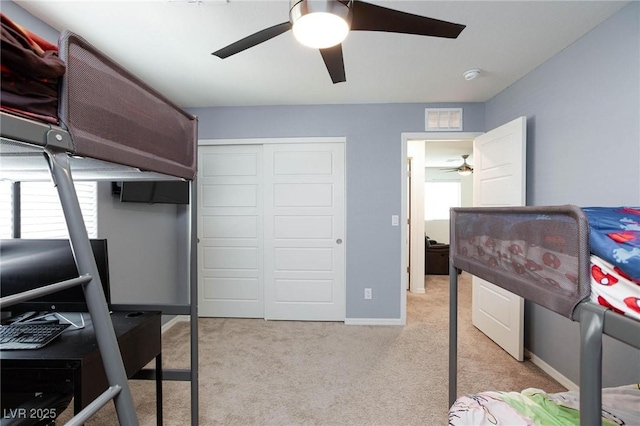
{"points": [[143, 245], [27, 20], [583, 109]]}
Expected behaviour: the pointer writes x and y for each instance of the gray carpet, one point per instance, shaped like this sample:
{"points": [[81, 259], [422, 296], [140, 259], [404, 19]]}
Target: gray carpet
{"points": [[256, 372]]}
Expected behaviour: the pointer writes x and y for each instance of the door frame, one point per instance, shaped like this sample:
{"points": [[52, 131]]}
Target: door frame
{"points": [[294, 140], [417, 230], [264, 141]]}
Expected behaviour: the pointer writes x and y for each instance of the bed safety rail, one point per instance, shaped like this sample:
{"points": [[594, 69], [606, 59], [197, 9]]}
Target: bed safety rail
{"points": [[492, 243], [499, 245]]}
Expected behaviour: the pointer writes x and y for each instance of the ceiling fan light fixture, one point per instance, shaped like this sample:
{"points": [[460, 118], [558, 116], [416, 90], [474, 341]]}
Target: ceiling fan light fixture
{"points": [[320, 23], [465, 171]]}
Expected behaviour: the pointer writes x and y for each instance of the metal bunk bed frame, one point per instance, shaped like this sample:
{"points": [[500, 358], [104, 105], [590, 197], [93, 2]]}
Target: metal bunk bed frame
{"points": [[595, 320], [56, 143]]}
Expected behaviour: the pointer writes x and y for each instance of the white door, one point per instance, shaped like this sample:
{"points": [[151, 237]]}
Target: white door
{"points": [[499, 179], [408, 242], [230, 231], [304, 216]]}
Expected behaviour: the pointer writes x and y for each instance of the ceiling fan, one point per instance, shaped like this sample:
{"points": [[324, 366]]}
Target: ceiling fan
{"points": [[324, 24], [464, 169]]}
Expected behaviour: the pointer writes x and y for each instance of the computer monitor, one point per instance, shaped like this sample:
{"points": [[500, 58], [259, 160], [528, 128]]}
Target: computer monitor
{"points": [[27, 264]]}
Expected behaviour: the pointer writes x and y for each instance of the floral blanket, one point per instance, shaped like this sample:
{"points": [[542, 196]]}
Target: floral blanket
{"points": [[620, 406]]}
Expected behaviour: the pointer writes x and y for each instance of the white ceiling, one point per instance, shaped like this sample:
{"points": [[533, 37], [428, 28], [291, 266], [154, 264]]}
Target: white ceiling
{"points": [[169, 45], [447, 154]]}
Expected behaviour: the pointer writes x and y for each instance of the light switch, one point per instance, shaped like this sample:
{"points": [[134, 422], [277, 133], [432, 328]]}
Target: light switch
{"points": [[395, 220]]}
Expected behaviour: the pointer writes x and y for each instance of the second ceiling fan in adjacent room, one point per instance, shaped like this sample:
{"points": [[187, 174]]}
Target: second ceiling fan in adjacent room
{"points": [[464, 169]]}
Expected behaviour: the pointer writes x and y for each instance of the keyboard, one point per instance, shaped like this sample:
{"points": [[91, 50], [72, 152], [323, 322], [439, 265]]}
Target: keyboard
{"points": [[29, 336]]}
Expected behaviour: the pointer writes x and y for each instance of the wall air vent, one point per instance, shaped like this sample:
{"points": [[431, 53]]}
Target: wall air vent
{"points": [[443, 119]]}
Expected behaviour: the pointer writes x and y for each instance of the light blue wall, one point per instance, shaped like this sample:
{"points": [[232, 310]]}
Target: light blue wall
{"points": [[373, 164], [146, 251], [24, 18], [583, 136]]}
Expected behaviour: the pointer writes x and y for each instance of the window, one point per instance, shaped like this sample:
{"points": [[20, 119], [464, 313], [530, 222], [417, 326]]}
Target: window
{"points": [[6, 221], [439, 197], [41, 212]]}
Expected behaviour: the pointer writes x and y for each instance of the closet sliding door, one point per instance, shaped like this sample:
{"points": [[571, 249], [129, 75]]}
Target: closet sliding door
{"points": [[304, 231], [230, 270], [272, 219]]}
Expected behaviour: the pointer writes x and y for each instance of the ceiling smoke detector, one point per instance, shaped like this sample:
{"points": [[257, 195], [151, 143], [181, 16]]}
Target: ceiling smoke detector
{"points": [[471, 74]]}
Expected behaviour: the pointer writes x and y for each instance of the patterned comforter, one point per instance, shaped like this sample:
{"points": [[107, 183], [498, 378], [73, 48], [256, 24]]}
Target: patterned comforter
{"points": [[620, 406]]}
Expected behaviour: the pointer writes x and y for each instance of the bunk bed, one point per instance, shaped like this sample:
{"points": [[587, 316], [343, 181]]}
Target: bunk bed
{"points": [[69, 113], [569, 260]]}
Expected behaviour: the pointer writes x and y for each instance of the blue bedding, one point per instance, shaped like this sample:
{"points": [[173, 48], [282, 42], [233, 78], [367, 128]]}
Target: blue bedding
{"points": [[615, 237]]}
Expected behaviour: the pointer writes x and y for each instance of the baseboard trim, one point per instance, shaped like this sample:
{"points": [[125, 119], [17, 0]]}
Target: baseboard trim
{"points": [[173, 321], [559, 377], [373, 321], [349, 321]]}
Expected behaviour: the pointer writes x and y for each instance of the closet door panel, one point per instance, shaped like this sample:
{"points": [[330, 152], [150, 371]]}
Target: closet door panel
{"points": [[304, 231], [230, 220]]}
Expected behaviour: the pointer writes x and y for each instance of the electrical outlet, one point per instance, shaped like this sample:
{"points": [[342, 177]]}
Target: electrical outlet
{"points": [[367, 293]]}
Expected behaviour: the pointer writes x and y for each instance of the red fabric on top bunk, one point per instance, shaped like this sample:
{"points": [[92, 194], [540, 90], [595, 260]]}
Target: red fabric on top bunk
{"points": [[30, 72]]}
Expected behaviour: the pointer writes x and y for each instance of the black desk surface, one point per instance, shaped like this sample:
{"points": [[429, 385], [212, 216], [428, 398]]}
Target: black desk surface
{"points": [[72, 363]]}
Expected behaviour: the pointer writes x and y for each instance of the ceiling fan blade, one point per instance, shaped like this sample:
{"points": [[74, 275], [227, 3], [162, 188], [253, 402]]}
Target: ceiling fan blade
{"points": [[369, 17], [253, 40], [334, 61]]}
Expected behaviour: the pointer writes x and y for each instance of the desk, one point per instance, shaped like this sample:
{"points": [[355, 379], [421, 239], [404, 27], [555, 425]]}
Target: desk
{"points": [[72, 363]]}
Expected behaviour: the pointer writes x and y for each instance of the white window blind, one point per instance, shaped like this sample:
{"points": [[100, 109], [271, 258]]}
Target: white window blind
{"points": [[439, 197], [6, 222], [41, 212]]}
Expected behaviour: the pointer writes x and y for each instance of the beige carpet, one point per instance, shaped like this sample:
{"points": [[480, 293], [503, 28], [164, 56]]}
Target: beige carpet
{"points": [[256, 372]]}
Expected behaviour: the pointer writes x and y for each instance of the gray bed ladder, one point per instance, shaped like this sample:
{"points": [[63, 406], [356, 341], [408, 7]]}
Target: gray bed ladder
{"points": [[90, 280], [118, 390]]}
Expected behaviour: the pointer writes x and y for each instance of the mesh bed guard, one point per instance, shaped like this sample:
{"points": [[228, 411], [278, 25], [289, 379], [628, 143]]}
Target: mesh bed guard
{"points": [[539, 253], [115, 117]]}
